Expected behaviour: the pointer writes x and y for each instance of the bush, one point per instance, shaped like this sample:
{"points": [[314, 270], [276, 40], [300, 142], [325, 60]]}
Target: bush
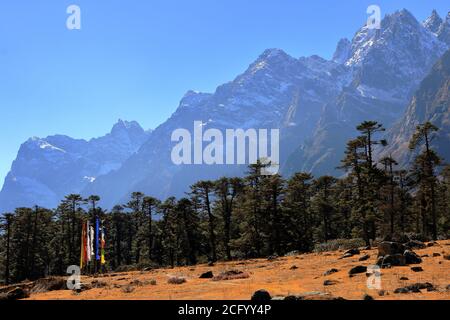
{"points": [[339, 244], [231, 275], [128, 289], [176, 280]]}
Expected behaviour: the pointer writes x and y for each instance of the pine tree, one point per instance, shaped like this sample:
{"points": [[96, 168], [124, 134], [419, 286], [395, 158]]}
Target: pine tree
{"points": [[323, 205], [297, 205], [202, 191], [227, 190], [150, 206], [425, 166]]}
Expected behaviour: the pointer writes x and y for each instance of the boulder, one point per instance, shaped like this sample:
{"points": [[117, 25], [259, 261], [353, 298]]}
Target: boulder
{"points": [[261, 295], [416, 288], [367, 297], [436, 254], [386, 248], [406, 290], [357, 269], [392, 260], [411, 257]]}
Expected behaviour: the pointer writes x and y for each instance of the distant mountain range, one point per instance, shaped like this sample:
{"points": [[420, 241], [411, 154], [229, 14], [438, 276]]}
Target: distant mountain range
{"points": [[316, 104], [46, 170]]}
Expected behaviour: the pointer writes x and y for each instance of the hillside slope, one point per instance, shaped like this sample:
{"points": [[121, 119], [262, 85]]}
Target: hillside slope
{"points": [[279, 277]]}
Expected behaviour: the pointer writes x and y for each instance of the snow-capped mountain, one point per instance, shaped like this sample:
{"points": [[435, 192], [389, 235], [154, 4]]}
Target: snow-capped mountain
{"points": [[276, 91], [387, 67], [433, 23], [46, 170], [316, 104]]}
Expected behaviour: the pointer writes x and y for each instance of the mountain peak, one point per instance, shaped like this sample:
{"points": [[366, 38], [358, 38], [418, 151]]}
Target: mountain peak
{"points": [[433, 22], [343, 51], [402, 17], [273, 56], [444, 30], [122, 125], [273, 53]]}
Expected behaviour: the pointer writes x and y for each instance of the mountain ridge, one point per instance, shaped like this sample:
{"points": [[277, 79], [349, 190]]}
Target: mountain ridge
{"points": [[316, 104]]}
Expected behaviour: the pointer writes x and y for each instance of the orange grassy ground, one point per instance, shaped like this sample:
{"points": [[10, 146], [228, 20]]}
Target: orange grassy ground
{"points": [[275, 277]]}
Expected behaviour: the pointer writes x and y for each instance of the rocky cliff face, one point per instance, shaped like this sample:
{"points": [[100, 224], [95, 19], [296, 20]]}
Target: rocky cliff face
{"points": [[387, 67], [431, 102]]}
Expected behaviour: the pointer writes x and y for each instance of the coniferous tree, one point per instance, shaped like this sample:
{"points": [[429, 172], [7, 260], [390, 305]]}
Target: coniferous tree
{"points": [[424, 170], [227, 190], [297, 205], [202, 191]]}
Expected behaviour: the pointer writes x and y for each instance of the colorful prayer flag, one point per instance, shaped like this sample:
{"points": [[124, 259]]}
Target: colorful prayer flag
{"points": [[97, 239], [103, 243], [83, 256]]}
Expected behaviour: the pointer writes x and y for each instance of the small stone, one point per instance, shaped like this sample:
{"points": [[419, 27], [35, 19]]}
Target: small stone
{"points": [[331, 271], [417, 269], [364, 257], [352, 252], [207, 275]]}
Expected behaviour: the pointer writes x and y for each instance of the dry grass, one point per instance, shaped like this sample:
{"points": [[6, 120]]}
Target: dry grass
{"points": [[277, 278]]}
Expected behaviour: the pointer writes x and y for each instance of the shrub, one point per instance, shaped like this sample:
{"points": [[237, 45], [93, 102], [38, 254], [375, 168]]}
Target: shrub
{"points": [[176, 280], [339, 244]]}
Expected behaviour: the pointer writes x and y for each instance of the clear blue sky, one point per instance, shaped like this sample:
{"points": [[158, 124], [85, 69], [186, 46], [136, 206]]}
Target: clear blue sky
{"points": [[134, 59]]}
